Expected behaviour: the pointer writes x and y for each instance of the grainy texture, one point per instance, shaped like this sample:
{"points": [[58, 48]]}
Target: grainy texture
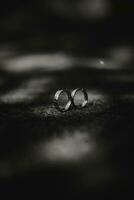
{"points": [[77, 154]]}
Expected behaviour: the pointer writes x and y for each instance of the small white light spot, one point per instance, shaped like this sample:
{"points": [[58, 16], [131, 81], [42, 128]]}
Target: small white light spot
{"points": [[101, 62]]}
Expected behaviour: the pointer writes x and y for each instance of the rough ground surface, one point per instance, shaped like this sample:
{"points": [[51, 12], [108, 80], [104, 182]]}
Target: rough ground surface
{"points": [[73, 153]]}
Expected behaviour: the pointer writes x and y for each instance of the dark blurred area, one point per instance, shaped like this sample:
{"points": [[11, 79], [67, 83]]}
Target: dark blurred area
{"points": [[73, 26], [47, 45]]}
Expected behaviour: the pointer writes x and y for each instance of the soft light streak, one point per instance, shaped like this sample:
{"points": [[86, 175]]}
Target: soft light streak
{"points": [[27, 91], [71, 146], [49, 62]]}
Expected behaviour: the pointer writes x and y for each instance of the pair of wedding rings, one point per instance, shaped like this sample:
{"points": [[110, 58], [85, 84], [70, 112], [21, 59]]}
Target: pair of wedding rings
{"points": [[70, 102]]}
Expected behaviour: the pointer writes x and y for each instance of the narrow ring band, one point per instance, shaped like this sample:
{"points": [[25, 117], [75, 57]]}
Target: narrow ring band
{"points": [[85, 102], [68, 104]]}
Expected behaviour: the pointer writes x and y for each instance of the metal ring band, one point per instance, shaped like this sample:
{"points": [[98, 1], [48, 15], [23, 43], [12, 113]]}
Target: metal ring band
{"points": [[56, 98], [85, 102]]}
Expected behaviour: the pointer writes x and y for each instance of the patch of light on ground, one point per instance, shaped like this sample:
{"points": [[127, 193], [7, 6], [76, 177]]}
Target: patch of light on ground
{"points": [[26, 92], [68, 147]]}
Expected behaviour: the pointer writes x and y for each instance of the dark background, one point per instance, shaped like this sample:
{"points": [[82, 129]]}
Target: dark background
{"points": [[30, 29], [47, 25]]}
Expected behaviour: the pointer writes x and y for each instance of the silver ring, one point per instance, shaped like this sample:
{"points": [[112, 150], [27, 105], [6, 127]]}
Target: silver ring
{"points": [[85, 102], [68, 104]]}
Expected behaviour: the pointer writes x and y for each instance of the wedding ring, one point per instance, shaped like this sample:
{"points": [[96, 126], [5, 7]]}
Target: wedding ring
{"points": [[67, 105], [85, 96]]}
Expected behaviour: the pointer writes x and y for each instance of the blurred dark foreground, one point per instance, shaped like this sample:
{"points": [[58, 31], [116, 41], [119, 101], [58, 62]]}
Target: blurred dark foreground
{"points": [[55, 44]]}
